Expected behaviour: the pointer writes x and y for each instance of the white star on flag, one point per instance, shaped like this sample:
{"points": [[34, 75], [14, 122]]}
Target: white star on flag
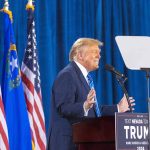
{"points": [[14, 63]]}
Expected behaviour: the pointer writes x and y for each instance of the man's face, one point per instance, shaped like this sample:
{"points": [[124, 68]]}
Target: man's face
{"points": [[90, 57]]}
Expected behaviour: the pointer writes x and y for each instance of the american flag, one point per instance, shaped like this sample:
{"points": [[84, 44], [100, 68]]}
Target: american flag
{"points": [[32, 89], [4, 145]]}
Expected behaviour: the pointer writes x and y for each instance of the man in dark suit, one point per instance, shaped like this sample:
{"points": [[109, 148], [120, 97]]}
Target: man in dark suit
{"points": [[74, 98]]}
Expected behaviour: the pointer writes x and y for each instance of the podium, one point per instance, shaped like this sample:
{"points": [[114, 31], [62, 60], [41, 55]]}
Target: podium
{"points": [[95, 134]]}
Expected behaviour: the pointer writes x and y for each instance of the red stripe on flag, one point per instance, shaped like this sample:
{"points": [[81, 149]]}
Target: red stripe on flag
{"points": [[40, 97], [4, 137], [30, 110], [39, 116], [27, 82], [38, 138], [1, 106], [3, 125]]}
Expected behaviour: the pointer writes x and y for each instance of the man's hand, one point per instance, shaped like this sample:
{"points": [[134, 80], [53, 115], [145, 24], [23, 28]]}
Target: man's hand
{"points": [[123, 104], [90, 100]]}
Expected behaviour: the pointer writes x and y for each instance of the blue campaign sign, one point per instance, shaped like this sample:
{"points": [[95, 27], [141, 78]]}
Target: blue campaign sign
{"points": [[131, 131]]}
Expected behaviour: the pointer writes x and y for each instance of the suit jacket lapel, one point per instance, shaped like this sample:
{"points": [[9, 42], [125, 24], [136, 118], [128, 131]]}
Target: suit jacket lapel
{"points": [[83, 80], [80, 75]]}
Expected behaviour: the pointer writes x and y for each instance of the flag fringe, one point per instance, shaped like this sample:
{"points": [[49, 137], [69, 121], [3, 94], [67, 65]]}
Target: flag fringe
{"points": [[33, 146]]}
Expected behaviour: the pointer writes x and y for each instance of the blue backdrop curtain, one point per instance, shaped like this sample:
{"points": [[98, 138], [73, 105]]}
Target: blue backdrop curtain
{"points": [[60, 22]]}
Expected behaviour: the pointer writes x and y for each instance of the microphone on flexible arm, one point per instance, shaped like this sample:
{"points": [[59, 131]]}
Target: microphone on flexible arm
{"points": [[121, 79], [112, 69]]}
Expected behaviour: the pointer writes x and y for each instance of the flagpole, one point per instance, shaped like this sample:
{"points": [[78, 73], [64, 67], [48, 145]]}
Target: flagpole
{"points": [[29, 75]]}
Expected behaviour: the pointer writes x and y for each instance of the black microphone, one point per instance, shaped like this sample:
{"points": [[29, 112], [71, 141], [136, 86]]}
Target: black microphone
{"points": [[112, 69]]}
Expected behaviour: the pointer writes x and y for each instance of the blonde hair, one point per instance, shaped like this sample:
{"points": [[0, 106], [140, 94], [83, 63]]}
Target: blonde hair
{"points": [[80, 43]]}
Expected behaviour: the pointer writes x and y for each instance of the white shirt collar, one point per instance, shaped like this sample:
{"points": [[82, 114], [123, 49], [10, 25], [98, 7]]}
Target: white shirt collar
{"points": [[83, 69]]}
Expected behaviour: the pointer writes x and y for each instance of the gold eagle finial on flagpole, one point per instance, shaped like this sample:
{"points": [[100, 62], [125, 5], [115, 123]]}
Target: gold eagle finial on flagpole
{"points": [[30, 5], [6, 5], [30, 2], [6, 10]]}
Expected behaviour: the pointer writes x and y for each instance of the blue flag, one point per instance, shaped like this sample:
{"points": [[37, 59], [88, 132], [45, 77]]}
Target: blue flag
{"points": [[12, 92]]}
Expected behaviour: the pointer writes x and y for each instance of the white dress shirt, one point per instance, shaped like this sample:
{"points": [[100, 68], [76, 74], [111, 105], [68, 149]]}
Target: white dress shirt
{"points": [[85, 73]]}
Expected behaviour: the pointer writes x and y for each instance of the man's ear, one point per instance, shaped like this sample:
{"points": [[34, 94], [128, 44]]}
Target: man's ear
{"points": [[80, 55]]}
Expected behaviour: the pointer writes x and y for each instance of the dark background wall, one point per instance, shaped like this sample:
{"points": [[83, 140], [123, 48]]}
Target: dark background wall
{"points": [[60, 22]]}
